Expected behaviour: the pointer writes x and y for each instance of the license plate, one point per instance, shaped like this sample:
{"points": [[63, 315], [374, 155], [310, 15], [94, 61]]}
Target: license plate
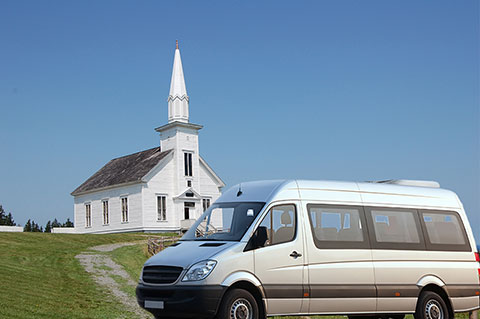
{"points": [[153, 304]]}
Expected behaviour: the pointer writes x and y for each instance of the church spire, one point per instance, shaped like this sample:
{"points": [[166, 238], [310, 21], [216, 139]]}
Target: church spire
{"points": [[178, 98]]}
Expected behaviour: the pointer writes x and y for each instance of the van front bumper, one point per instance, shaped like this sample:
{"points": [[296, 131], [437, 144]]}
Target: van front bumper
{"points": [[181, 301]]}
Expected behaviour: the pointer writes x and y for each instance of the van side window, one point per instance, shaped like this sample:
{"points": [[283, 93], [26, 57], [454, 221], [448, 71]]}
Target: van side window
{"points": [[444, 228], [395, 226], [280, 223], [337, 226]]}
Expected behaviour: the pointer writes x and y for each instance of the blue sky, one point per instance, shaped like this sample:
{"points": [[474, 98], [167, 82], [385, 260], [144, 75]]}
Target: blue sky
{"points": [[344, 90]]}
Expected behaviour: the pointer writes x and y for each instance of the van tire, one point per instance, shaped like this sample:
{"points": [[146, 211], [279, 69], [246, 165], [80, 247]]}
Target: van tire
{"points": [[239, 303], [431, 306]]}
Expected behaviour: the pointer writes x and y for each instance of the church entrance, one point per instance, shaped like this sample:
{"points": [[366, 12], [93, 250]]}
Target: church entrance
{"points": [[187, 207]]}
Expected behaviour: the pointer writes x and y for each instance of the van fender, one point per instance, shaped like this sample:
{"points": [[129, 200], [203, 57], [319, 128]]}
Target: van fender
{"points": [[248, 277], [430, 279], [242, 276]]}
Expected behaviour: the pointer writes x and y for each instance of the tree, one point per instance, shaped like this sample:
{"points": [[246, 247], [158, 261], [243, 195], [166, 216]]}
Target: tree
{"points": [[48, 227], [32, 226], [6, 220], [55, 223], [35, 227], [10, 221], [2, 215], [68, 223], [28, 226]]}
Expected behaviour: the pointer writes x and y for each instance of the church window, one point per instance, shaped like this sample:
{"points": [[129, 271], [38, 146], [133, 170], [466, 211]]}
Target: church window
{"points": [[105, 212], [188, 164], [189, 183], [206, 203], [88, 215], [124, 209], [161, 207]]}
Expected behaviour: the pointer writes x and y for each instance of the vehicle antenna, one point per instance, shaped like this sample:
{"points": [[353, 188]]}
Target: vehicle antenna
{"points": [[239, 190]]}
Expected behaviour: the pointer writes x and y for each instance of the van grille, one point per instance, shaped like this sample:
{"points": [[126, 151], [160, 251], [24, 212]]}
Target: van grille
{"points": [[161, 274]]}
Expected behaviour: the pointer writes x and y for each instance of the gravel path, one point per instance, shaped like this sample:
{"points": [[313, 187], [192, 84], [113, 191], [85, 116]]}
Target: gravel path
{"points": [[104, 269]]}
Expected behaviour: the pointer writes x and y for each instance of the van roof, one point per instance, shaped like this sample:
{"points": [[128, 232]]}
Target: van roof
{"points": [[398, 193]]}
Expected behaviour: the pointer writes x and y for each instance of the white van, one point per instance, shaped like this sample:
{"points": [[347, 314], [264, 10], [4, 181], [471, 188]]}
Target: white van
{"points": [[366, 250]]}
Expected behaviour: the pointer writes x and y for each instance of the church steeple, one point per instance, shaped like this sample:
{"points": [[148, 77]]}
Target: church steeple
{"points": [[178, 98]]}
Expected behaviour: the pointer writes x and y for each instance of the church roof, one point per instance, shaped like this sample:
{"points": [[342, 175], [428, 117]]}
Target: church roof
{"points": [[126, 169]]}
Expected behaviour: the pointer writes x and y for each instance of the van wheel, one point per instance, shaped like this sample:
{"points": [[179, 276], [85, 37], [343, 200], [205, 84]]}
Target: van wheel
{"points": [[238, 304], [431, 306]]}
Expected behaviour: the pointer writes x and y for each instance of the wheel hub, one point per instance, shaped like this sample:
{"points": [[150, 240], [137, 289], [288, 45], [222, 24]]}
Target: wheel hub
{"points": [[433, 310], [241, 309]]}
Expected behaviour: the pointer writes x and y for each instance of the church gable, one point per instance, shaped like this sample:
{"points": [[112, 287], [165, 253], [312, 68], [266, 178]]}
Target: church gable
{"points": [[188, 194], [126, 169]]}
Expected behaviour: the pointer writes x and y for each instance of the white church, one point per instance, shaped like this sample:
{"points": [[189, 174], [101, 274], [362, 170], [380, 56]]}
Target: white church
{"points": [[165, 188]]}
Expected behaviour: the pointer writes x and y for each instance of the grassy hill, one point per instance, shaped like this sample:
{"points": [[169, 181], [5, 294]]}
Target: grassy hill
{"points": [[41, 278]]}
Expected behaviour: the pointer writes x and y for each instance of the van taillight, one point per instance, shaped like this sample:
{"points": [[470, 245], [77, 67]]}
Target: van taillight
{"points": [[477, 258]]}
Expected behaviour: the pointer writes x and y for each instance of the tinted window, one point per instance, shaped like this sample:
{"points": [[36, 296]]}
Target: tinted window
{"points": [[395, 226], [336, 224], [444, 229], [280, 222]]}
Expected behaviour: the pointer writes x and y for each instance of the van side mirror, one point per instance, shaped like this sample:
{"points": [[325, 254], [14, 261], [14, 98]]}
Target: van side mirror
{"points": [[258, 239]]}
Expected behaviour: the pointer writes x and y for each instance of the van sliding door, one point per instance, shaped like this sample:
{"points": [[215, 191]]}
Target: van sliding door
{"points": [[340, 269]]}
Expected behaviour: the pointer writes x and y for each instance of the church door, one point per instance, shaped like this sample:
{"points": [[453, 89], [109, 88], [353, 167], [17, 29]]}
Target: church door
{"points": [[186, 209]]}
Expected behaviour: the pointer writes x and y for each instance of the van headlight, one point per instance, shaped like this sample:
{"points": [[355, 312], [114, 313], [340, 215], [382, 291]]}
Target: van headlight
{"points": [[200, 270]]}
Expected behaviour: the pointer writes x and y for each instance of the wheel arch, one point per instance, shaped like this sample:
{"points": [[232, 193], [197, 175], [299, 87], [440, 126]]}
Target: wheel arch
{"points": [[250, 283], [441, 291], [430, 279]]}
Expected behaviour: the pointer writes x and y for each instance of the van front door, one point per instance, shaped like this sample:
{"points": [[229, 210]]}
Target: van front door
{"points": [[280, 263]]}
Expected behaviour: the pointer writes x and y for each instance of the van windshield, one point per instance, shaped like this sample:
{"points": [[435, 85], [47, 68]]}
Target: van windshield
{"points": [[224, 222]]}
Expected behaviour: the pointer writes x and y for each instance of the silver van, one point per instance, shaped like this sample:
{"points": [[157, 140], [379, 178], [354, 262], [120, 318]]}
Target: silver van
{"points": [[297, 247]]}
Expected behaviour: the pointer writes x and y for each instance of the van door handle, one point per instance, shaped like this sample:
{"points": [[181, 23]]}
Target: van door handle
{"points": [[294, 254]]}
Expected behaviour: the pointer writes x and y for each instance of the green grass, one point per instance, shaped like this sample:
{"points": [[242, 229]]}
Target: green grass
{"points": [[132, 259], [41, 278]]}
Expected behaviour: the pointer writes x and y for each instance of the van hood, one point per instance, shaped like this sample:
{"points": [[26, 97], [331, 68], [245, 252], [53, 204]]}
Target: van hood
{"points": [[186, 253]]}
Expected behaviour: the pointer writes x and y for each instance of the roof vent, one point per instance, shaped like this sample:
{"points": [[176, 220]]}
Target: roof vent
{"points": [[409, 182]]}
